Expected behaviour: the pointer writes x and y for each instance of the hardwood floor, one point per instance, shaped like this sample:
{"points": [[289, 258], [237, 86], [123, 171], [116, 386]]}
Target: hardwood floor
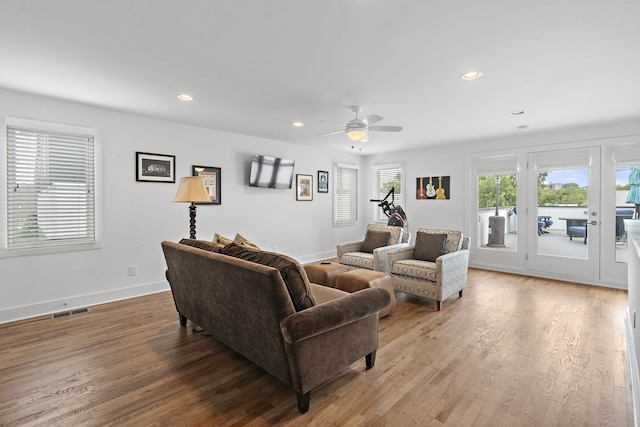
{"points": [[513, 351]]}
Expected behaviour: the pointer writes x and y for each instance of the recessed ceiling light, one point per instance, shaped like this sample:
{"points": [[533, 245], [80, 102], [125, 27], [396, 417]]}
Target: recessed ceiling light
{"points": [[523, 127], [185, 97], [471, 75], [297, 124]]}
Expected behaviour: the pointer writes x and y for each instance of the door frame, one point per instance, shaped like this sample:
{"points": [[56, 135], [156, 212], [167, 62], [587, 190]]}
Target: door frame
{"points": [[612, 274]]}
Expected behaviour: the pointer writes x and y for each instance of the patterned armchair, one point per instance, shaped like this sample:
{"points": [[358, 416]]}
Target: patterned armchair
{"points": [[438, 279], [354, 254]]}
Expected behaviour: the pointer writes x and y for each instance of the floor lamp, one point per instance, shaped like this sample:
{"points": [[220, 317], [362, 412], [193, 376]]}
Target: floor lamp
{"points": [[192, 190]]}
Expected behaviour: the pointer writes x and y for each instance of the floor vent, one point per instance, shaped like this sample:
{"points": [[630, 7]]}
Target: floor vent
{"points": [[69, 313]]}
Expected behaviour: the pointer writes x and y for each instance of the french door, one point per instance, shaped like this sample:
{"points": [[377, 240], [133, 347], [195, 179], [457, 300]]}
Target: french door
{"points": [[563, 212]]}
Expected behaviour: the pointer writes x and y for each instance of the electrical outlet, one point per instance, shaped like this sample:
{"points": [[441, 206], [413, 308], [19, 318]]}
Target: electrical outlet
{"points": [[133, 270]]}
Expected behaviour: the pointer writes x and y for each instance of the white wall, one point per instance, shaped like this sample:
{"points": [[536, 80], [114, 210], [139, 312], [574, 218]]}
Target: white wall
{"points": [[137, 216], [432, 161]]}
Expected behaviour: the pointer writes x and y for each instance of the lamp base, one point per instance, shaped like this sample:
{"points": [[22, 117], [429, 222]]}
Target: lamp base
{"points": [[192, 221]]}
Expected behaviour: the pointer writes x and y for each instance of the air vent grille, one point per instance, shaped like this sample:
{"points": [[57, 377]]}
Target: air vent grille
{"points": [[69, 313]]}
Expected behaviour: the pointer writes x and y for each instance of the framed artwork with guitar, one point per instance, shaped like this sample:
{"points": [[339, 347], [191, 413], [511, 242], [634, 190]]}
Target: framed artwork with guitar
{"points": [[433, 187]]}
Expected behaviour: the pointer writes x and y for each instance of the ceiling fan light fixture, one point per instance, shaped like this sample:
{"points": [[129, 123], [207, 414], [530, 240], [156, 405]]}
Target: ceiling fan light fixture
{"points": [[356, 134]]}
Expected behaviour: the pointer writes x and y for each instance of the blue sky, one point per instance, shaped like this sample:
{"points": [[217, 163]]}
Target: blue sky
{"points": [[580, 176]]}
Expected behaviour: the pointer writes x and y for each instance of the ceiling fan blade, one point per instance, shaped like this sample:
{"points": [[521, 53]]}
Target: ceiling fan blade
{"points": [[386, 128], [330, 123], [371, 119], [332, 133]]}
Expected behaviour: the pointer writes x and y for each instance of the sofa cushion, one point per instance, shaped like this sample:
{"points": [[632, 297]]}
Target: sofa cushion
{"points": [[429, 246], [202, 244], [293, 274], [375, 239], [243, 241], [217, 238]]}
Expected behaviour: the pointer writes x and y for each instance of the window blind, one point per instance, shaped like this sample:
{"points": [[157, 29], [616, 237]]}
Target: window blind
{"points": [[50, 188], [388, 177], [346, 194]]}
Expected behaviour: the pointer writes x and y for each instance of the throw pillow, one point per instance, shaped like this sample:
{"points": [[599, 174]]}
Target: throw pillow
{"points": [[429, 246], [202, 244], [294, 276], [241, 240], [217, 238], [375, 239]]}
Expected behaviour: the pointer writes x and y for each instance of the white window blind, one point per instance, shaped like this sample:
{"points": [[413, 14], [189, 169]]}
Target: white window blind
{"points": [[346, 194], [388, 176], [50, 188]]}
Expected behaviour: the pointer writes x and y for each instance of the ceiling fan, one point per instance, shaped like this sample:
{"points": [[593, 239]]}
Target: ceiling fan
{"points": [[357, 129]]}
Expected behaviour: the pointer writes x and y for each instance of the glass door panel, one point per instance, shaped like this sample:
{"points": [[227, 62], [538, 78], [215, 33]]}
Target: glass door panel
{"points": [[564, 211]]}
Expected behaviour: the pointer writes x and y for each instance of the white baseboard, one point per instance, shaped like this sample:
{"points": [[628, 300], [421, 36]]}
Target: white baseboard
{"points": [[545, 275], [633, 367], [50, 307], [316, 257]]}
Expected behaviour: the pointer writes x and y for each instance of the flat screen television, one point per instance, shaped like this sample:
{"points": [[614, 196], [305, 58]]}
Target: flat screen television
{"points": [[271, 172]]}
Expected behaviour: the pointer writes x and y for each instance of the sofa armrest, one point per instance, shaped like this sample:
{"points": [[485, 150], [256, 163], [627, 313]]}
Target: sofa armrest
{"points": [[343, 248], [334, 314], [381, 256]]}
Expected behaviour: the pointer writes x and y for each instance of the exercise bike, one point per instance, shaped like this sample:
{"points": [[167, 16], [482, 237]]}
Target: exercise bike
{"points": [[397, 216]]}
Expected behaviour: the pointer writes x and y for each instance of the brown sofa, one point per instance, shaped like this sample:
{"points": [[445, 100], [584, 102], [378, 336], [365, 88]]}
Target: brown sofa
{"points": [[253, 309]]}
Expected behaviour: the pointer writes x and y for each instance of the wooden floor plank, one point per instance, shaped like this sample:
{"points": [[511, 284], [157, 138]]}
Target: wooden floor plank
{"points": [[514, 351]]}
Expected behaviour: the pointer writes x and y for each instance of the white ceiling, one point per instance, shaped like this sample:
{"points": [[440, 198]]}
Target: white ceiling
{"points": [[256, 66]]}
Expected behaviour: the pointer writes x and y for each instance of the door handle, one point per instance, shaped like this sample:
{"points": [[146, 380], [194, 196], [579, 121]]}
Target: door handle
{"points": [[593, 223]]}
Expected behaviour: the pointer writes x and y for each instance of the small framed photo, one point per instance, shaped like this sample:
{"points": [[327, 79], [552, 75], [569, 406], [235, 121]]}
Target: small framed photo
{"points": [[304, 187], [212, 179], [323, 182], [152, 167]]}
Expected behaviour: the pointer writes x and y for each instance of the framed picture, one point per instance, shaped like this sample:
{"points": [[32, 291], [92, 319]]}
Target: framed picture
{"points": [[212, 177], [304, 187], [433, 188], [155, 167], [323, 182]]}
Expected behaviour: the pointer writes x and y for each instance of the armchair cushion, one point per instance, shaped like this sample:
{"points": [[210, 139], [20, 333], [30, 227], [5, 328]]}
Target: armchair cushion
{"points": [[454, 238], [375, 239], [395, 233], [357, 260], [429, 246], [416, 268], [293, 274]]}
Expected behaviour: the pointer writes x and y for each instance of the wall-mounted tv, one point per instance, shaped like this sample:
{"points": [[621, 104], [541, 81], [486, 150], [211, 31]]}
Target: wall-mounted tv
{"points": [[271, 172]]}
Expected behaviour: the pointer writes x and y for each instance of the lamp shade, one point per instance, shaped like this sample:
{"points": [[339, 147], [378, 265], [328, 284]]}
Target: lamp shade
{"points": [[192, 189]]}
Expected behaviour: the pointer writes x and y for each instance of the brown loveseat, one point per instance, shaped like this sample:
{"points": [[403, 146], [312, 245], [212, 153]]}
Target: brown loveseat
{"points": [[259, 311]]}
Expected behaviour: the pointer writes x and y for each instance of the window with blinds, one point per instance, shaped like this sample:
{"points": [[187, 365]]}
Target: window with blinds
{"points": [[388, 177], [346, 194], [50, 188]]}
